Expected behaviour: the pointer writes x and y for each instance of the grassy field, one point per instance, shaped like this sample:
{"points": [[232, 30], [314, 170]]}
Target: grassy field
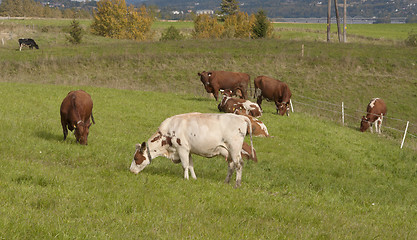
{"points": [[314, 180]]}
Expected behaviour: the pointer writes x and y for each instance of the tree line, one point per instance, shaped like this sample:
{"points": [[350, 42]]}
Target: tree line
{"points": [[31, 8]]}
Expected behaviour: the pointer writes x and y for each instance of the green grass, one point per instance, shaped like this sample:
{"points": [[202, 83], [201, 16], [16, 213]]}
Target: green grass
{"points": [[314, 178]]}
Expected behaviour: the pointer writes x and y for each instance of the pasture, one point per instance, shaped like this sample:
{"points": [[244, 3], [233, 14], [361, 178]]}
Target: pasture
{"points": [[314, 180]]}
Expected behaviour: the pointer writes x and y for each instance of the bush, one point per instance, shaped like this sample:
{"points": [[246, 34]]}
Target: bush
{"points": [[171, 33], [75, 32], [411, 39], [238, 25], [115, 20], [207, 27]]}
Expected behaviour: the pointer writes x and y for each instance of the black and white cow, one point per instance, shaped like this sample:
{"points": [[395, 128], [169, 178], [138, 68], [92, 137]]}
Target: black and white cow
{"points": [[204, 134], [27, 42]]}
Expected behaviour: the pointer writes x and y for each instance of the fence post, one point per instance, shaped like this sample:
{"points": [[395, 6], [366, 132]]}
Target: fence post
{"points": [[405, 133], [302, 50], [343, 114]]}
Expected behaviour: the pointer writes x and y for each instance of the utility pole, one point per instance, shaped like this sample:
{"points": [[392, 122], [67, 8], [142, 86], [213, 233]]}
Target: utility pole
{"points": [[344, 21], [329, 11], [337, 19]]}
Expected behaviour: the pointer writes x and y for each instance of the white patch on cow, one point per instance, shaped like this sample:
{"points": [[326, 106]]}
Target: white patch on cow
{"points": [[247, 105], [372, 103]]}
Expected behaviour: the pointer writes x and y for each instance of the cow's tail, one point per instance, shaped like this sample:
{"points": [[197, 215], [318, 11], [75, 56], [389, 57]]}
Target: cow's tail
{"points": [[92, 117], [250, 134]]}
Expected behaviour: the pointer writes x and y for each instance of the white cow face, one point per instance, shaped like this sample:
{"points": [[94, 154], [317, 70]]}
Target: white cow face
{"points": [[140, 159]]}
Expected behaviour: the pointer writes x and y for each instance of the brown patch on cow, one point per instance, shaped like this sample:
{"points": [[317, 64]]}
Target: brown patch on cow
{"points": [[179, 141], [157, 137], [139, 158], [168, 140]]}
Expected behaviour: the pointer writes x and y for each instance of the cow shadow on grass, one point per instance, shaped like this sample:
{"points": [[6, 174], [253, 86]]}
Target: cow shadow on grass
{"points": [[49, 136], [198, 98]]}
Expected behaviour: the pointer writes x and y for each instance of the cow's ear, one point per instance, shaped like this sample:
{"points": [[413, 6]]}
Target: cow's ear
{"points": [[199, 74], [88, 126], [75, 126], [143, 147]]}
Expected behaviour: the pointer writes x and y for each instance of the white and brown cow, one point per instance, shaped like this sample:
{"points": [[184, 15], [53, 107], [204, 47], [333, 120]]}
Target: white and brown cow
{"points": [[204, 134], [376, 110], [238, 106]]}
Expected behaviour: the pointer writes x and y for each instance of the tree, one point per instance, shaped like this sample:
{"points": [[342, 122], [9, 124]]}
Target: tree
{"points": [[238, 25], [262, 27], [228, 7], [115, 20], [207, 27], [171, 33], [75, 32]]}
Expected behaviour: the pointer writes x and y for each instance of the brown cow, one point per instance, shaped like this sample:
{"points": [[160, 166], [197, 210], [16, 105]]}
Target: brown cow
{"points": [[238, 106], [215, 80], [76, 109], [273, 90], [376, 111]]}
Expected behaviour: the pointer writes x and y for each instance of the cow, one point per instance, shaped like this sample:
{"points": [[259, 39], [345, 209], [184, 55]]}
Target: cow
{"points": [[376, 110], [204, 134], [258, 127], [76, 110], [213, 81], [228, 104], [27, 42], [273, 90]]}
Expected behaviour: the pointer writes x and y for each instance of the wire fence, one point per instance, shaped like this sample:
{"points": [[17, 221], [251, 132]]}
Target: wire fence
{"points": [[393, 127]]}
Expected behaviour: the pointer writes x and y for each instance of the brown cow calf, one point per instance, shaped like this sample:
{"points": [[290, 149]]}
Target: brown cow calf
{"points": [[376, 111], [76, 109], [215, 80], [273, 90]]}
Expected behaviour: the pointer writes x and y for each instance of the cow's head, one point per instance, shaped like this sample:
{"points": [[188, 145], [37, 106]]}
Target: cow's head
{"points": [[81, 132], [365, 124], [205, 79], [141, 159], [283, 108]]}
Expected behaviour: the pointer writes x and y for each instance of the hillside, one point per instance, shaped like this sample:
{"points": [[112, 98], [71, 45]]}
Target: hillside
{"points": [[297, 8]]}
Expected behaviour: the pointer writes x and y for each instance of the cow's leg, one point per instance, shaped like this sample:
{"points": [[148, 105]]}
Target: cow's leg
{"points": [[259, 101], [230, 170], [64, 129], [277, 104], [239, 169], [185, 161], [372, 127], [20, 47], [191, 167]]}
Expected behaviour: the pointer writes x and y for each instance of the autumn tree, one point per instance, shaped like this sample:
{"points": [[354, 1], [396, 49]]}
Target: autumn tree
{"points": [[238, 25], [206, 26], [115, 20]]}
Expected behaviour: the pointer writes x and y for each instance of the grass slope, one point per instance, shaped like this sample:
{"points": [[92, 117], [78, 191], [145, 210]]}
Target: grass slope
{"points": [[314, 179]]}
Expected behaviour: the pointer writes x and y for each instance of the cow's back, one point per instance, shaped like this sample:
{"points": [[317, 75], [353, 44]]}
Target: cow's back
{"points": [[376, 107], [81, 101], [230, 80]]}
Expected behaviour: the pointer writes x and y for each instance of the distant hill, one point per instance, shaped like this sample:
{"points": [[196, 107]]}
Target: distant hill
{"points": [[296, 8]]}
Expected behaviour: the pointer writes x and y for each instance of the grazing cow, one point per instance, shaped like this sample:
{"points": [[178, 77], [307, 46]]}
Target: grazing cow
{"points": [[258, 127], [27, 42], [239, 106], [273, 90], [76, 109], [204, 134], [376, 111], [215, 80]]}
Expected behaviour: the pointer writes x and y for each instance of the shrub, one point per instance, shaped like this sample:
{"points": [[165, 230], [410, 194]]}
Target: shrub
{"points": [[115, 20], [238, 25], [207, 27], [171, 33], [411, 39], [75, 32]]}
